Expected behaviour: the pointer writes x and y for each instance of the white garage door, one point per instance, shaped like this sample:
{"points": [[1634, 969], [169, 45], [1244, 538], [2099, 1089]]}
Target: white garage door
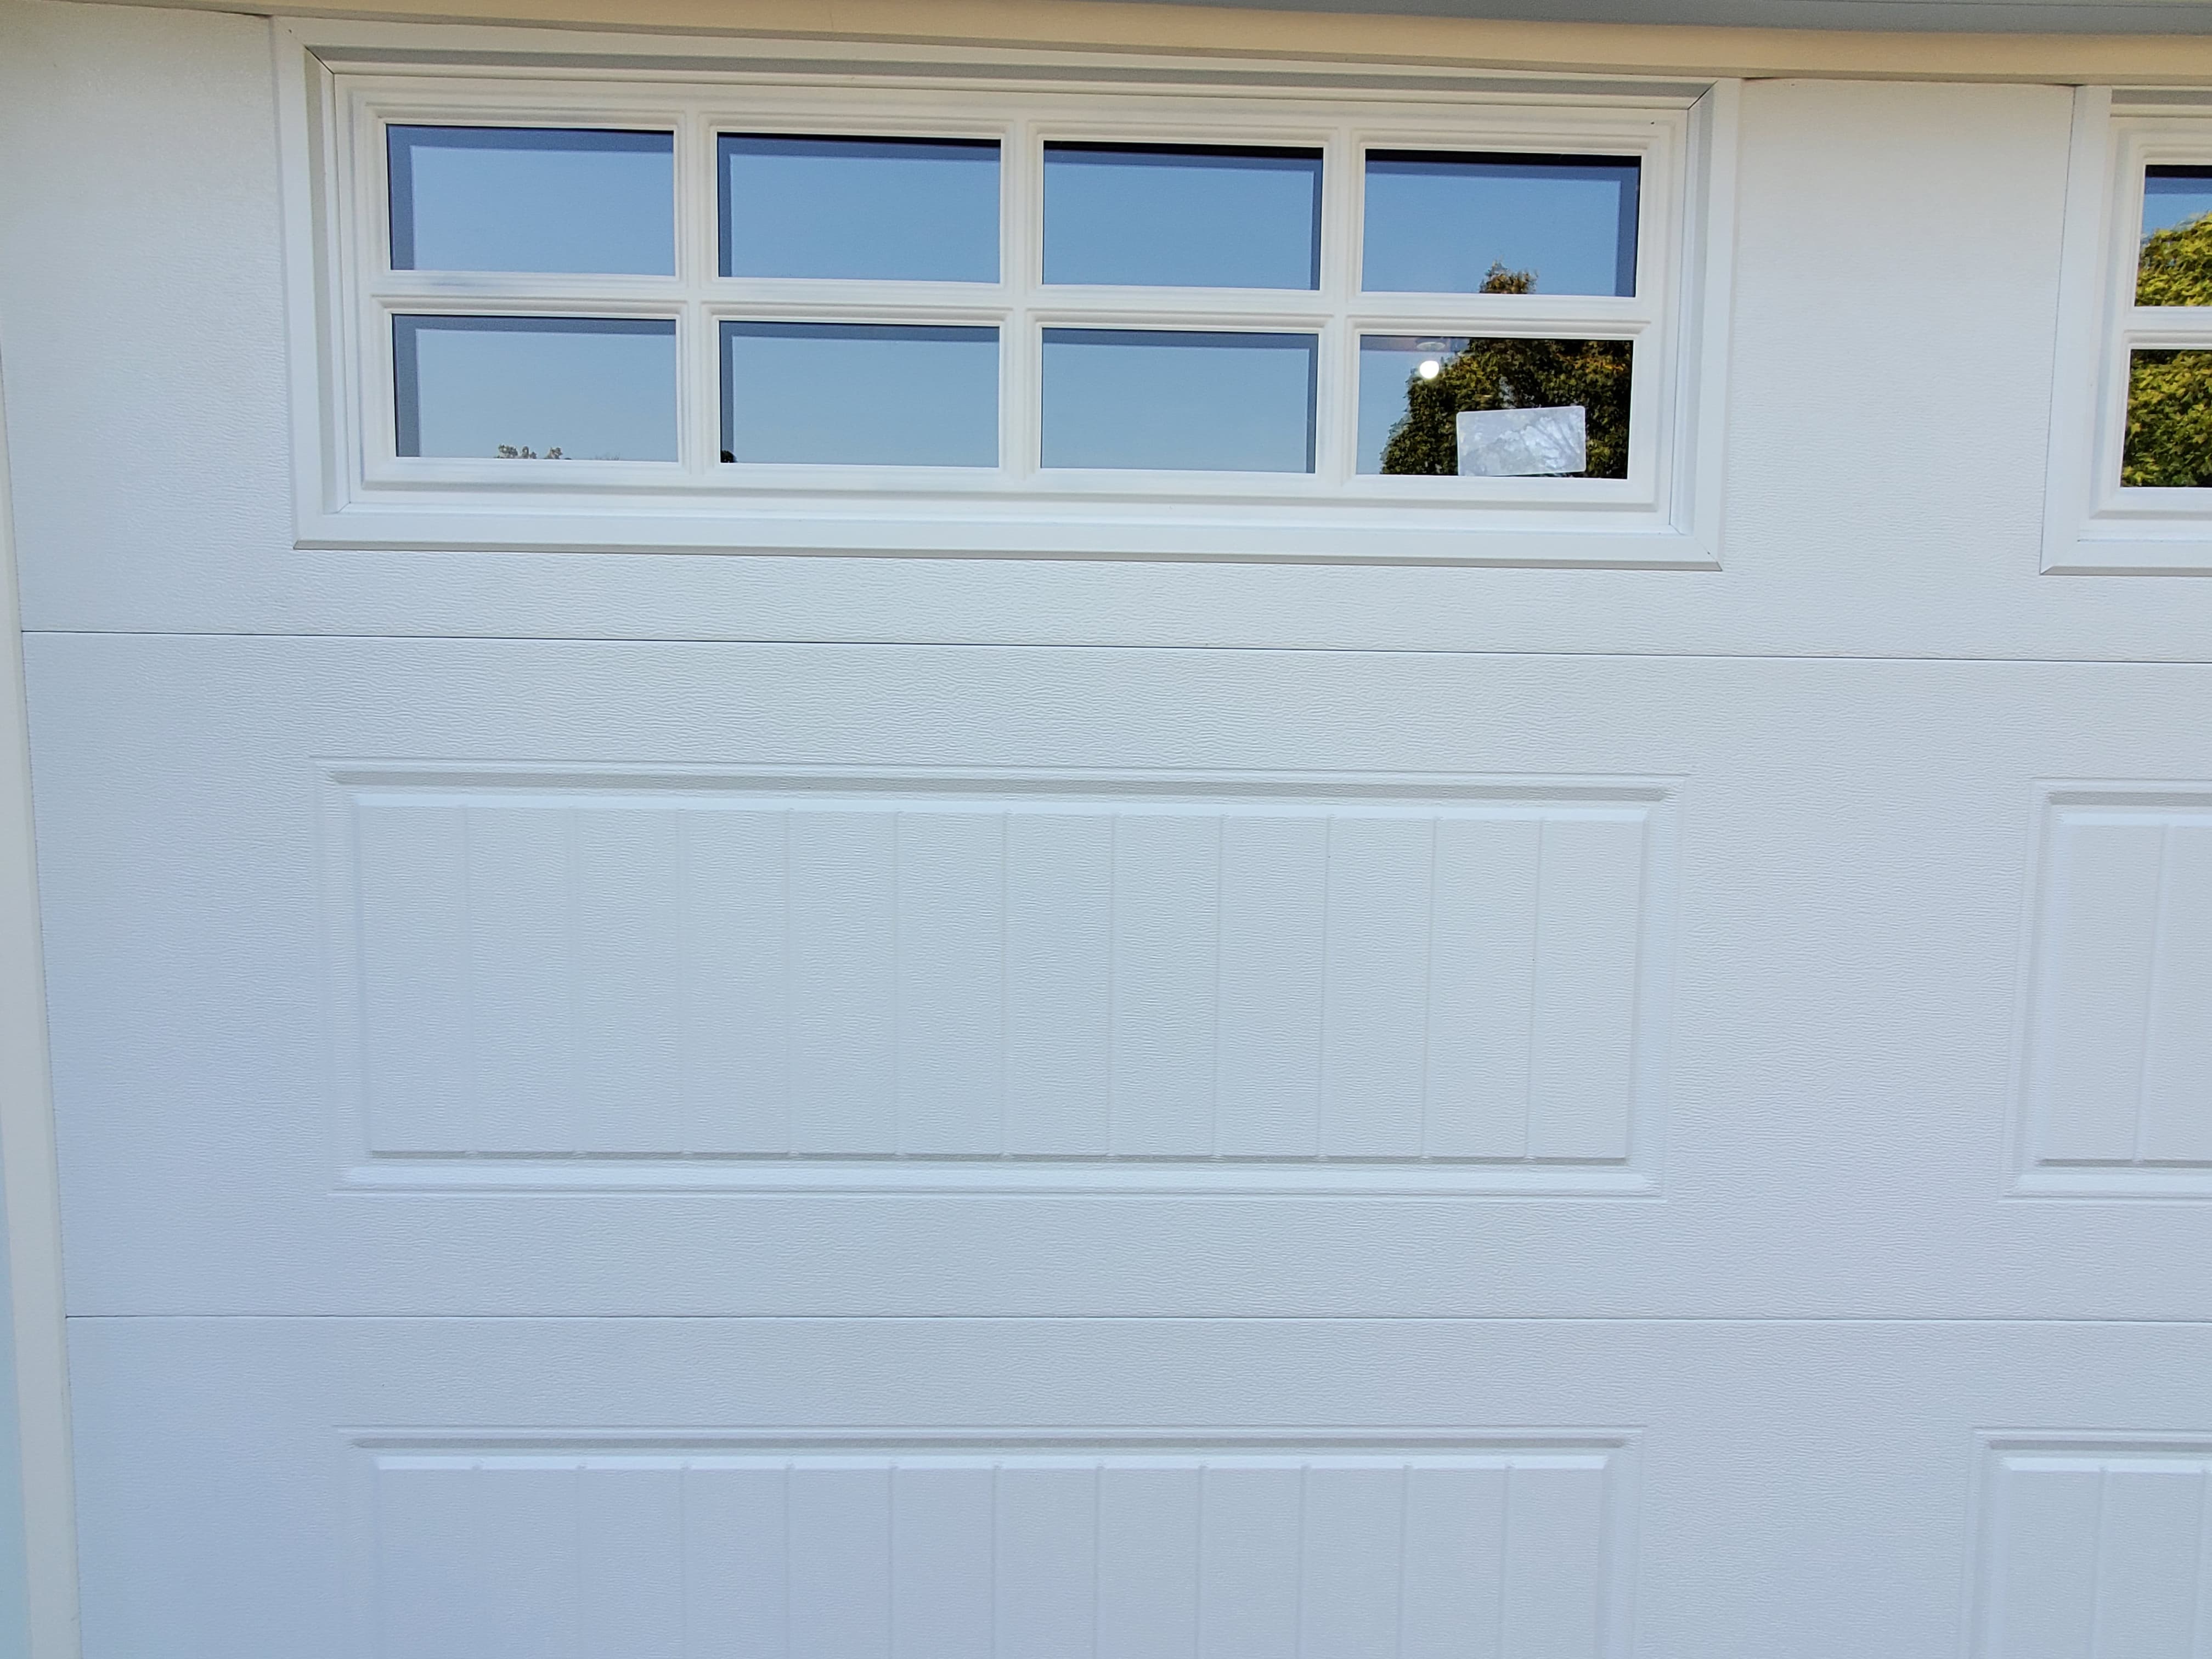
{"points": [[1440, 1096]]}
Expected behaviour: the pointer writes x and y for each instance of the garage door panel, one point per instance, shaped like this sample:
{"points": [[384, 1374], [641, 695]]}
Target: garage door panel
{"points": [[387, 972], [1499, 1488], [1947, 297]]}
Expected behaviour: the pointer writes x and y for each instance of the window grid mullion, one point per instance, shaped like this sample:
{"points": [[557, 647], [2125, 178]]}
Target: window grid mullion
{"points": [[698, 245], [1336, 401], [1021, 414]]}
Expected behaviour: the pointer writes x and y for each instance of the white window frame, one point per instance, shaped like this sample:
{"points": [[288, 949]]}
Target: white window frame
{"points": [[344, 82], [2092, 525]]}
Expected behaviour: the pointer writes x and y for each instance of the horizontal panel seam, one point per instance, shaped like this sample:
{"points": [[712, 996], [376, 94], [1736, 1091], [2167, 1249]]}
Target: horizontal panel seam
{"points": [[878, 1321], [1126, 648]]}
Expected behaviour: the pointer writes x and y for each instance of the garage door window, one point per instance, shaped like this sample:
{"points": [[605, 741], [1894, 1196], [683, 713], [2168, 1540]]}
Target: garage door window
{"points": [[1066, 320]]}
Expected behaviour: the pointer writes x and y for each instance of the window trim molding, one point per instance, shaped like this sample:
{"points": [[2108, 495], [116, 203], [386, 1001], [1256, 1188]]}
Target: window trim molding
{"points": [[346, 498]]}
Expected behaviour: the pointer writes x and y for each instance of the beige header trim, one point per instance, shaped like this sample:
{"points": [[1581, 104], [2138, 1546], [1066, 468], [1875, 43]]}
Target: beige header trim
{"points": [[1339, 38]]}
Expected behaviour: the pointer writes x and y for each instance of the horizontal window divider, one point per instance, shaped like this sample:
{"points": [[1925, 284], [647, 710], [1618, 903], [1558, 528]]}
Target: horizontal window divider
{"points": [[885, 312], [786, 290], [2175, 339], [670, 308], [1145, 302], [1578, 309], [1170, 322], [1548, 325], [550, 285]]}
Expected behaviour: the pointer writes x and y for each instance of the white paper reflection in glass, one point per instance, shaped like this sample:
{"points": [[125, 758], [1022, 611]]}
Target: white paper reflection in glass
{"points": [[894, 210], [1176, 400], [562, 388], [532, 198], [1163, 216], [1440, 222], [859, 394]]}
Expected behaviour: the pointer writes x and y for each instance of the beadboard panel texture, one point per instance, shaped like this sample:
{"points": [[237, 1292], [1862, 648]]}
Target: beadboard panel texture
{"points": [[837, 976]]}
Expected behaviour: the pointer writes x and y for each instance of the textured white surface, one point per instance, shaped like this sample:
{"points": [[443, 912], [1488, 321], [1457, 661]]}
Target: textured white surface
{"points": [[1884, 741]]}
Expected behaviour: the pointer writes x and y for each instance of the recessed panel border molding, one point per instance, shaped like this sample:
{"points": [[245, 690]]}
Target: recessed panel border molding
{"points": [[1119, 1542], [674, 978], [2113, 1077], [2093, 1545]]}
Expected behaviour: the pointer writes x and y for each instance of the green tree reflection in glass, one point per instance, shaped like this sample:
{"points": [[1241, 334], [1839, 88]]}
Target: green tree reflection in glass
{"points": [[2169, 437], [1515, 373]]}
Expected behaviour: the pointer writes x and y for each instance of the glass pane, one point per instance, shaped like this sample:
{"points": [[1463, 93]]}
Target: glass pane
{"points": [[1163, 216], [905, 210], [1499, 224], [1182, 401], [2176, 266], [535, 388], [1412, 389], [532, 198], [860, 394], [2169, 444]]}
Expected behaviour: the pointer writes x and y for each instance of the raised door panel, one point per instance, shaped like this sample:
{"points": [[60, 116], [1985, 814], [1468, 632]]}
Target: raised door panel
{"points": [[1228, 981]]}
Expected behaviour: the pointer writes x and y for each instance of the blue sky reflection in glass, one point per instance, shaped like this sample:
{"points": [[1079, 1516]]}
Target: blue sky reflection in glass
{"points": [[1387, 363], [532, 198], [594, 388], [859, 394], [887, 210], [2174, 196], [1168, 215], [1179, 400], [1437, 221]]}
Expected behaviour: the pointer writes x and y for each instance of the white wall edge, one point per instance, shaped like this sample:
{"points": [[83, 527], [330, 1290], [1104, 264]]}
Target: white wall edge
{"points": [[1709, 300], [27, 1160], [2079, 339]]}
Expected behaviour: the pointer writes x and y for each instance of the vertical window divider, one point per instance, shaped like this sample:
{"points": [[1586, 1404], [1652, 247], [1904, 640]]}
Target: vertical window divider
{"points": [[1336, 411], [1021, 255], [698, 261]]}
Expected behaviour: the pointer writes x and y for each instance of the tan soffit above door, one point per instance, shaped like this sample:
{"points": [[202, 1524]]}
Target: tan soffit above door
{"points": [[2178, 56]]}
